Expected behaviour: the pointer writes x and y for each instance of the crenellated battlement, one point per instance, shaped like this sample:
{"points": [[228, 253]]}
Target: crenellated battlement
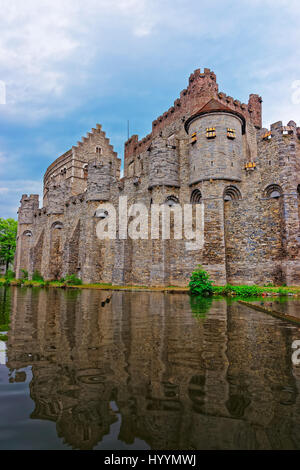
{"points": [[277, 129], [208, 149], [202, 86]]}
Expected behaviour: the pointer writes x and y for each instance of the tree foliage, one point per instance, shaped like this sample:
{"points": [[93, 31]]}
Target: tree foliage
{"points": [[8, 235]]}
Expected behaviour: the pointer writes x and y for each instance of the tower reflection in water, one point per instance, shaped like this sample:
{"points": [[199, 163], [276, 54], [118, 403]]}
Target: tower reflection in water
{"points": [[173, 378]]}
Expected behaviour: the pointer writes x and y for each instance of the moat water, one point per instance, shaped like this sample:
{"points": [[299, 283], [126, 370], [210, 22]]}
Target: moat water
{"points": [[88, 369]]}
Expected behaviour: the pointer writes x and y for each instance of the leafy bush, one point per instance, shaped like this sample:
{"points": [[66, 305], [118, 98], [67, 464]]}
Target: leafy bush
{"points": [[24, 274], [200, 283], [73, 280], [282, 291], [9, 275], [37, 276]]}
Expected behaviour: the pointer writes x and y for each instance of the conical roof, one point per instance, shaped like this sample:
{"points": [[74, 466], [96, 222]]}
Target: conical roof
{"points": [[212, 106]]}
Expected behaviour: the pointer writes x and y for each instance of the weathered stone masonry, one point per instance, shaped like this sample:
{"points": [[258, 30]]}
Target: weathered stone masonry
{"points": [[206, 149]]}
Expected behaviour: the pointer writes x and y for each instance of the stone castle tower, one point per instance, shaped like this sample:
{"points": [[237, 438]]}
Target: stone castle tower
{"points": [[206, 149]]}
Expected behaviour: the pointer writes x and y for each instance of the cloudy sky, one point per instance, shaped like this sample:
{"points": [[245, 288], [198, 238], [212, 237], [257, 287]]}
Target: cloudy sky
{"points": [[69, 64]]}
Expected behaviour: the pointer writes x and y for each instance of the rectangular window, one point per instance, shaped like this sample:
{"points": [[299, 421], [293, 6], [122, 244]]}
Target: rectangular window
{"points": [[250, 166], [194, 137], [211, 132], [231, 133], [267, 135]]}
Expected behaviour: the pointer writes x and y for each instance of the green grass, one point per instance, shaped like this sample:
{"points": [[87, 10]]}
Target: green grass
{"points": [[227, 291], [253, 291]]}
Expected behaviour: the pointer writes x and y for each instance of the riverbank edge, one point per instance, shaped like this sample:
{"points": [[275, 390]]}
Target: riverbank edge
{"points": [[224, 291]]}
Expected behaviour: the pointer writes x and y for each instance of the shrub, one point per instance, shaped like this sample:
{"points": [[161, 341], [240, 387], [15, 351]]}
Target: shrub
{"points": [[37, 276], [282, 291], [200, 283], [73, 280], [24, 274], [9, 275]]}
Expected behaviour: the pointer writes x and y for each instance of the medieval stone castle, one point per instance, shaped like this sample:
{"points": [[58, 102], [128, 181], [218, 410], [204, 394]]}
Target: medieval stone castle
{"points": [[206, 149]]}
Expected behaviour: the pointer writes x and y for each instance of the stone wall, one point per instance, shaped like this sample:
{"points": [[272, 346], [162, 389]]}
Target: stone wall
{"points": [[247, 185]]}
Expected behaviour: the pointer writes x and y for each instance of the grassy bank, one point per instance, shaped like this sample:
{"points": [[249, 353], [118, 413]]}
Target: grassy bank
{"points": [[228, 290], [255, 291], [101, 286]]}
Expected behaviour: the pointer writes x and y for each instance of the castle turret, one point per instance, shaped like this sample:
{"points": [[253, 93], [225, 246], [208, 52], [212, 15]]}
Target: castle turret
{"points": [[255, 110], [29, 204], [163, 163], [216, 148], [25, 236]]}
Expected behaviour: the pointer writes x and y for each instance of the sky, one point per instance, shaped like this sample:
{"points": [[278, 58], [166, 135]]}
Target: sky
{"points": [[69, 64]]}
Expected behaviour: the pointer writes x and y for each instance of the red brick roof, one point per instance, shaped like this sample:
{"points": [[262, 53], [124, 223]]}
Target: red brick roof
{"points": [[212, 106]]}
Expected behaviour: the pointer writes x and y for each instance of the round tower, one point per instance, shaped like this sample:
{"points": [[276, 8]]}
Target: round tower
{"points": [[216, 143], [163, 163]]}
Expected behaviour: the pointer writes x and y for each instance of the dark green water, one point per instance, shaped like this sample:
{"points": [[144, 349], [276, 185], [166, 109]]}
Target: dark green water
{"points": [[118, 370]]}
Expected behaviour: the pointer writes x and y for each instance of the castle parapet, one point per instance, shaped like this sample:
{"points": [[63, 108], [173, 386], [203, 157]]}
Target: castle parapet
{"points": [[202, 87]]}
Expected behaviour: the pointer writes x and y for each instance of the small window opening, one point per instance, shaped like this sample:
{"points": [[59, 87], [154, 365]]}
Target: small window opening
{"points": [[211, 132], [231, 133]]}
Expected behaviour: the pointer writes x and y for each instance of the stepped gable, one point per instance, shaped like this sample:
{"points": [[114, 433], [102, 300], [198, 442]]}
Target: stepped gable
{"points": [[89, 135], [213, 106]]}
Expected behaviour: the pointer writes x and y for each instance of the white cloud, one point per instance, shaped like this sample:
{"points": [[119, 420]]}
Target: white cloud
{"points": [[49, 48], [11, 191]]}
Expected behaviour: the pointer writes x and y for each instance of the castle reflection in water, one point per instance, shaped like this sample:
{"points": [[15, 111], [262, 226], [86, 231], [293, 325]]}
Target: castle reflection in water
{"points": [[220, 380]]}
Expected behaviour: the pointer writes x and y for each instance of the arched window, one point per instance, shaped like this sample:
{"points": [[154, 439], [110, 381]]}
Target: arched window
{"points": [[99, 150], [232, 193], [27, 233], [171, 201], [101, 213], [273, 191], [57, 225], [196, 196]]}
